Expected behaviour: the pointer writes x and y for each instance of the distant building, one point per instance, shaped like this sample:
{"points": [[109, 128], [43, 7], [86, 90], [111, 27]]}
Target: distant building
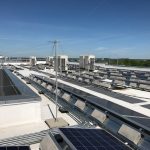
{"points": [[81, 62], [87, 62], [2, 59], [62, 63], [50, 61], [33, 61], [90, 62]]}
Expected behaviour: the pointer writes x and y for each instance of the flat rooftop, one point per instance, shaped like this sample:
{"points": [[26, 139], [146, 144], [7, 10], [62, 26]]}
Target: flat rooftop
{"points": [[129, 109], [7, 87], [13, 90], [29, 128], [116, 67]]}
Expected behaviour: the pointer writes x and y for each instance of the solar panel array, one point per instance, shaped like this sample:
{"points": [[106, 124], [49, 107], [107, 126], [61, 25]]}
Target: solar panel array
{"points": [[93, 139], [106, 92], [14, 148]]}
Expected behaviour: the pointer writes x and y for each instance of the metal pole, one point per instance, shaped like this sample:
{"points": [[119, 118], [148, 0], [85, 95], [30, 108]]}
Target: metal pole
{"points": [[60, 67], [79, 70], [56, 73]]}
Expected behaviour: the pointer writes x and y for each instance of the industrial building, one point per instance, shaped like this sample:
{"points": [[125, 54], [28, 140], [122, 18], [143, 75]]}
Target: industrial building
{"points": [[62, 63], [90, 62], [87, 62], [50, 61], [81, 62], [33, 61], [18, 103], [2, 60]]}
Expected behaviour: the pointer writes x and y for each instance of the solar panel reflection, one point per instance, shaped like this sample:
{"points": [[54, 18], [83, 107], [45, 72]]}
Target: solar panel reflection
{"points": [[93, 139]]}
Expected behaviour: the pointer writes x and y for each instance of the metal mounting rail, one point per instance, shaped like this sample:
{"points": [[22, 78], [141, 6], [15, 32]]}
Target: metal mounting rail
{"points": [[26, 139], [79, 118]]}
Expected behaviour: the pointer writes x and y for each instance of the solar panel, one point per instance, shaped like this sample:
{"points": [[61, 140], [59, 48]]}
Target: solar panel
{"points": [[2, 148], [93, 139], [14, 148], [24, 148]]}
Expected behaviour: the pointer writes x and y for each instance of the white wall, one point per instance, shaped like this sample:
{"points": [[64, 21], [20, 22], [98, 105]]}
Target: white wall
{"points": [[82, 62], [16, 114]]}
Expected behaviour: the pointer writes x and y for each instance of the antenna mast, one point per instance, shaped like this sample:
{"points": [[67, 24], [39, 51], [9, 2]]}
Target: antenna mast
{"points": [[55, 42]]}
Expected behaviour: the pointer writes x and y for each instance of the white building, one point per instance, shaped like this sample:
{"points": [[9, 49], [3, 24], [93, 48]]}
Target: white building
{"points": [[81, 62], [18, 103], [62, 63], [19, 113], [50, 61], [2, 59], [33, 61], [87, 62]]}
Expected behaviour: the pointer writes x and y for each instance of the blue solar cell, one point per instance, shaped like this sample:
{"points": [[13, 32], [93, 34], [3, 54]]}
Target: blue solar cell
{"points": [[2, 148], [12, 148], [24, 148], [15, 148], [92, 139]]}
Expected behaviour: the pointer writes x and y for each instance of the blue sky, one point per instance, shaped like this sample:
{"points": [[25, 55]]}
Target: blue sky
{"points": [[105, 28]]}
